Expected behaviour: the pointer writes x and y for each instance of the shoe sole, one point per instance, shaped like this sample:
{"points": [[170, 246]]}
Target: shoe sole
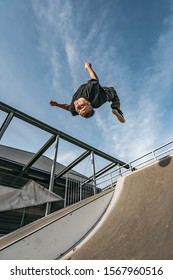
{"points": [[119, 116]]}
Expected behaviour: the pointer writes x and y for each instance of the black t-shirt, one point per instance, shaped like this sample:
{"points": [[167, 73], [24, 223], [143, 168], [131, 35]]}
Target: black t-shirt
{"points": [[93, 92]]}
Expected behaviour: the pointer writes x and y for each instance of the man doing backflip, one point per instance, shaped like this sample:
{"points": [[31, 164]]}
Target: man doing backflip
{"points": [[92, 95]]}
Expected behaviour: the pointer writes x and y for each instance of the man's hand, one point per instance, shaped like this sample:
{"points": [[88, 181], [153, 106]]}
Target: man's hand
{"points": [[93, 75], [53, 103], [88, 65], [62, 106]]}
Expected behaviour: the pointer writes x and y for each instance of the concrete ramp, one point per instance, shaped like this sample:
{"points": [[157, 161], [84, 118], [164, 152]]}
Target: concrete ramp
{"points": [[139, 225], [54, 235]]}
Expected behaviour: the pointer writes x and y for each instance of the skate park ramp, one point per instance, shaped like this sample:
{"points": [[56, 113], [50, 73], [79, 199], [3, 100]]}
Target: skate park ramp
{"points": [[139, 225], [53, 235]]}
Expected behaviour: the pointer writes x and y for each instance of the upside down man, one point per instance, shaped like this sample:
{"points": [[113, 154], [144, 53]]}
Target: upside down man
{"points": [[90, 96]]}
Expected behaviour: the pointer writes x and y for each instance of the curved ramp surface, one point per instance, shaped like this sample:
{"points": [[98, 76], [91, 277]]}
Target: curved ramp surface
{"points": [[140, 224], [52, 236]]}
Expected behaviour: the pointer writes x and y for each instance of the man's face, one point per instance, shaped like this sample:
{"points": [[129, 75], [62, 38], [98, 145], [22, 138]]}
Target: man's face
{"points": [[82, 106]]}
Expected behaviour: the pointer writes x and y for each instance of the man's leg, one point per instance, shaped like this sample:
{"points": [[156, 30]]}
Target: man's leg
{"points": [[113, 97], [119, 114]]}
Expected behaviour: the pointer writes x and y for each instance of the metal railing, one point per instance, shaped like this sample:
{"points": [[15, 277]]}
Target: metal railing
{"points": [[77, 190], [110, 179]]}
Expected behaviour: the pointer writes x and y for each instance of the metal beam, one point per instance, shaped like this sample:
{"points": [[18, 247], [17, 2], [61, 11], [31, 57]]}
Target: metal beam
{"points": [[6, 108], [38, 155], [52, 177], [6, 123], [71, 165], [93, 171], [100, 172]]}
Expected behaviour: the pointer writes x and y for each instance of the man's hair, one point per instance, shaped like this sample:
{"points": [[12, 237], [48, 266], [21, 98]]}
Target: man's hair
{"points": [[89, 114]]}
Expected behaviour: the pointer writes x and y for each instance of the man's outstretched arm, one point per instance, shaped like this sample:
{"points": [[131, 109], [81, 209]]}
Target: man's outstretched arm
{"points": [[62, 106], [92, 73]]}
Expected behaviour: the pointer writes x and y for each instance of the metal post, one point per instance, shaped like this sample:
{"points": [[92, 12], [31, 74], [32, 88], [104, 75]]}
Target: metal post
{"points": [[51, 183], [130, 167], [154, 156], [66, 191], [80, 190], [119, 170], [111, 179], [93, 171]]}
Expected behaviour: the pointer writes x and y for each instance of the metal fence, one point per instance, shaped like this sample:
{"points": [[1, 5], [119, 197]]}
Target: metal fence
{"points": [[109, 179], [76, 191]]}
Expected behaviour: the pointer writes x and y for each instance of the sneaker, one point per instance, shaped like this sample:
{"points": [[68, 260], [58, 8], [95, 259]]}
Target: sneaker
{"points": [[119, 114]]}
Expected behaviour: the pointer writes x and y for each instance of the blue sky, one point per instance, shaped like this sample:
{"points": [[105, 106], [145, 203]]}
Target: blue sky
{"points": [[43, 47]]}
